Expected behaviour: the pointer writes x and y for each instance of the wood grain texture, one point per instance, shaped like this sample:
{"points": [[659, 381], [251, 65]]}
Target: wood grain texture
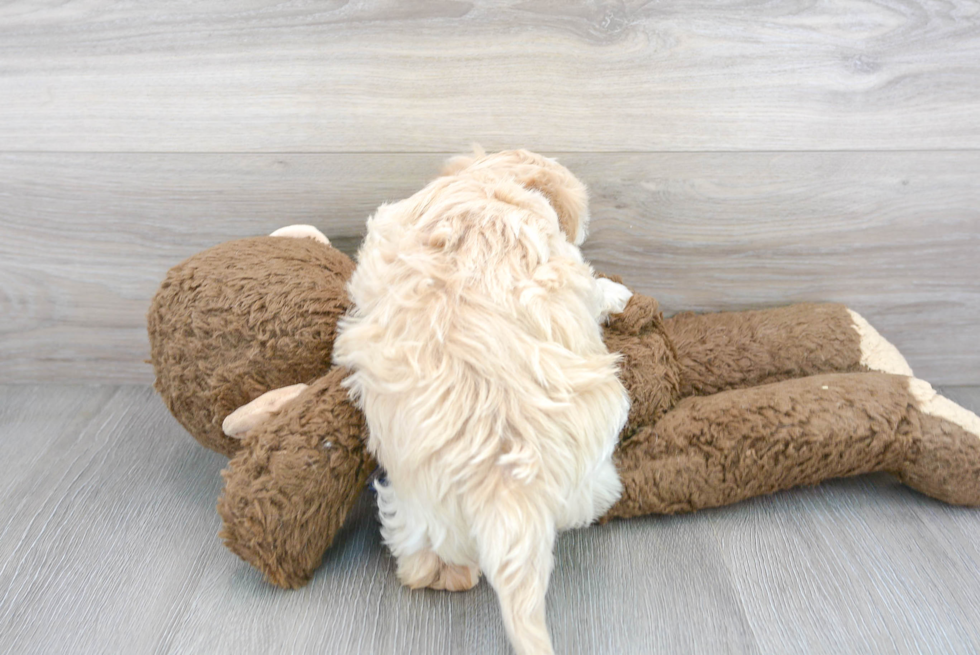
{"points": [[389, 76], [85, 239], [108, 544], [94, 549]]}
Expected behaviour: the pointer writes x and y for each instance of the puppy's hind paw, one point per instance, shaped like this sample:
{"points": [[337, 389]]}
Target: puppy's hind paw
{"points": [[452, 577]]}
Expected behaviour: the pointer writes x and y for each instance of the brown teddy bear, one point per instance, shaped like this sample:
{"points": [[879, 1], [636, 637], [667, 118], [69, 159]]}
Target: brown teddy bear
{"points": [[724, 406]]}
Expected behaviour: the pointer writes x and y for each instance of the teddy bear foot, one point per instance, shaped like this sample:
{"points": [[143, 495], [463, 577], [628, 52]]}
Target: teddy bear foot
{"points": [[877, 353], [944, 461], [932, 403]]}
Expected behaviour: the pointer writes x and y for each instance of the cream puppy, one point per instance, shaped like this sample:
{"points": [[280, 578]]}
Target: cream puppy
{"points": [[476, 354]]}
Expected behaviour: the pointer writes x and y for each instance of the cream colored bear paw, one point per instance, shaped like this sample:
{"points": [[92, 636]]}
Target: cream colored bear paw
{"points": [[930, 402], [876, 352]]}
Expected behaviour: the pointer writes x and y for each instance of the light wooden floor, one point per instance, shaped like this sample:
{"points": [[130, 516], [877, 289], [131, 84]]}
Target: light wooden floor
{"points": [[108, 545]]}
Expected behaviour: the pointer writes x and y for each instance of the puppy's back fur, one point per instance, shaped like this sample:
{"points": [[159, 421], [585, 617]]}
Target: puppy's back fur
{"points": [[477, 357]]}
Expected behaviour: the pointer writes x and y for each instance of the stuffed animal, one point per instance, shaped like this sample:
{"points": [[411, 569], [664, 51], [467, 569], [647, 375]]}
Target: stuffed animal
{"points": [[724, 406]]}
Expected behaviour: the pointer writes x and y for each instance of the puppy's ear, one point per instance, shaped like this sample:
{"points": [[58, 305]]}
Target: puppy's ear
{"points": [[455, 164], [567, 195], [563, 191]]}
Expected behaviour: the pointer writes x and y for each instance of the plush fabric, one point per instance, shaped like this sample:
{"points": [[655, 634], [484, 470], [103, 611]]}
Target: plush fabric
{"points": [[724, 406], [238, 319], [308, 464], [719, 449], [730, 350]]}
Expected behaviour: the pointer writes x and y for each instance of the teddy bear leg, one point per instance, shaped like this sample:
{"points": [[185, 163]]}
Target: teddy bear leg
{"points": [[731, 350], [944, 456], [719, 449], [290, 487]]}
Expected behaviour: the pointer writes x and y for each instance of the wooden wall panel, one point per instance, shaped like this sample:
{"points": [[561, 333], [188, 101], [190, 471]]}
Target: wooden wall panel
{"points": [[391, 76], [86, 238]]}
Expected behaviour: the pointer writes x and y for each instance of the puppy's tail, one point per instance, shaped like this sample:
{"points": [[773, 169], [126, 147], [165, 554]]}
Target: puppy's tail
{"points": [[515, 540]]}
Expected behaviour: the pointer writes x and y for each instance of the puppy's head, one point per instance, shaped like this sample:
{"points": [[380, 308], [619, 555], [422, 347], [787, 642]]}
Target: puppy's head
{"points": [[566, 194]]}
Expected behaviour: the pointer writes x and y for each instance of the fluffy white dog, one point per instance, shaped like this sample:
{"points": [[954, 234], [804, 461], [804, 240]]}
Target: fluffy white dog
{"points": [[476, 354]]}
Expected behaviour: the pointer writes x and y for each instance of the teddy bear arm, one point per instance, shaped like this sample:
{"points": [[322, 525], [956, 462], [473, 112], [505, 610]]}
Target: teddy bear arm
{"points": [[648, 365], [716, 450], [290, 487], [731, 350], [251, 415]]}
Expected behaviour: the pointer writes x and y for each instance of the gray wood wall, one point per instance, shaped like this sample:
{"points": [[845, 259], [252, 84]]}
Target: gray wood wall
{"points": [[739, 154]]}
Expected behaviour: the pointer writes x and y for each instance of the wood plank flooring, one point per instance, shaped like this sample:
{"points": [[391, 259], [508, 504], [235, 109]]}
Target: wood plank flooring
{"points": [[108, 545]]}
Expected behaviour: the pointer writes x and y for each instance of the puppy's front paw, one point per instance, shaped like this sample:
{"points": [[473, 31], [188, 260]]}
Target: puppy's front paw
{"points": [[259, 410], [301, 232], [615, 296]]}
